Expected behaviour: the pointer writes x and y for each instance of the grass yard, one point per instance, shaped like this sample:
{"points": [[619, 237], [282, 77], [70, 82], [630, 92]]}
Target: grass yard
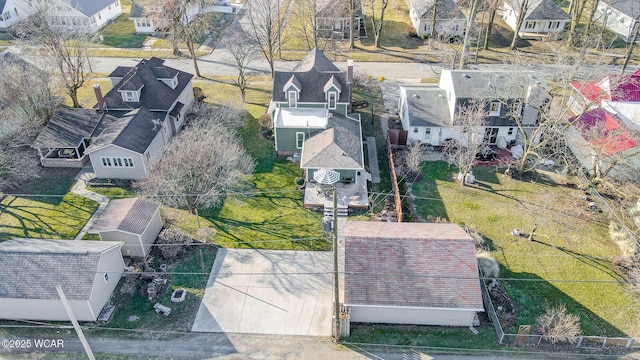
{"points": [[122, 33], [55, 213], [571, 248]]}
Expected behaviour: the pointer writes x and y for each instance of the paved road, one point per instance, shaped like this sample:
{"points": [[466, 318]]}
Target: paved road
{"points": [[237, 346]]}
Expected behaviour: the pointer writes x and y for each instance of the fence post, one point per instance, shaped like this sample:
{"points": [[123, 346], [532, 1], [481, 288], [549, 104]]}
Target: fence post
{"points": [[629, 343], [579, 343]]}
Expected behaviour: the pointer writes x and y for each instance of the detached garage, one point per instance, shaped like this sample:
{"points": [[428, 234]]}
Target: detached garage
{"points": [[135, 221], [410, 273], [30, 269]]}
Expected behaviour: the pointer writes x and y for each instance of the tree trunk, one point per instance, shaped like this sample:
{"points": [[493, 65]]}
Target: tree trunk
{"points": [[192, 51], [633, 39], [575, 20], [434, 16], [467, 35], [73, 94], [352, 17], [492, 17], [519, 21]]}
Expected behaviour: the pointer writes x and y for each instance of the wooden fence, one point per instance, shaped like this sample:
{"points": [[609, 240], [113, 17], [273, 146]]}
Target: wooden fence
{"points": [[394, 182]]}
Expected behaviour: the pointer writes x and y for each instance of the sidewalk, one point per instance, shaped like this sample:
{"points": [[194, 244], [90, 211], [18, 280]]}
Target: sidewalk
{"points": [[80, 188]]}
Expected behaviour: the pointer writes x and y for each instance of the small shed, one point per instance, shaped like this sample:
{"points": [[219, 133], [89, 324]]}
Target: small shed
{"points": [[30, 269], [410, 273], [134, 221]]}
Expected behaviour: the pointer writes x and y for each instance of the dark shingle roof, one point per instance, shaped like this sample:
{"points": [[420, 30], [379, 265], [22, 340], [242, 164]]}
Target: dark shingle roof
{"points": [[155, 95], [447, 9], [120, 71], [546, 10], [628, 7], [427, 106], [316, 60], [337, 147], [131, 215], [136, 11], [31, 268], [312, 84], [410, 264], [68, 127], [135, 131], [90, 7], [2, 5]]}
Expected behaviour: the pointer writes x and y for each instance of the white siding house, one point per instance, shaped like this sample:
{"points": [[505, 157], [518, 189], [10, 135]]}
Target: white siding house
{"points": [[88, 272], [620, 16], [542, 17], [134, 221], [12, 11], [147, 15], [410, 273], [88, 15], [450, 21], [429, 113]]}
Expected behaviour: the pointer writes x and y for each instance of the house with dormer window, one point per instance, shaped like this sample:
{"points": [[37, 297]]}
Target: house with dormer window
{"points": [[126, 132], [312, 124], [510, 99]]}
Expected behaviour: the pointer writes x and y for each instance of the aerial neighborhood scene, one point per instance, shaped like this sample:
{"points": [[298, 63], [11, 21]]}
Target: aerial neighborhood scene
{"points": [[315, 179]]}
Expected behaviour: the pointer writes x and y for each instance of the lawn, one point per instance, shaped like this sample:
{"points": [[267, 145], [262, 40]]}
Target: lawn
{"points": [[53, 213], [568, 263], [122, 33]]}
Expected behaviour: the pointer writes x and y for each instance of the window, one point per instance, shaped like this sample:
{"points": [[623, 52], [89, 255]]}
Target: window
{"points": [[6, 16], [530, 25], [510, 131], [494, 108], [92, 20], [117, 162], [293, 101], [491, 135], [427, 133], [299, 140], [117, 3], [332, 100], [554, 24], [106, 278], [415, 130]]}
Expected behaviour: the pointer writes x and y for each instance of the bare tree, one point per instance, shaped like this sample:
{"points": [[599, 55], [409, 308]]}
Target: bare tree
{"points": [[305, 21], [264, 17], [66, 47], [468, 32], [522, 8], [494, 6], [469, 120], [201, 164], [377, 19], [576, 8], [632, 42], [558, 325], [243, 49], [352, 20]]}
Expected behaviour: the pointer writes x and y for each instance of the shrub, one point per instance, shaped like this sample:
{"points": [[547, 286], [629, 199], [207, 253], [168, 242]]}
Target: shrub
{"points": [[206, 234], [299, 181], [479, 240], [381, 78], [487, 264], [558, 325], [621, 238], [169, 241], [265, 121]]}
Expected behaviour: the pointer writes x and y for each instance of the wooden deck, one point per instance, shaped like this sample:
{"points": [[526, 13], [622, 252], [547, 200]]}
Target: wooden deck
{"points": [[349, 195]]}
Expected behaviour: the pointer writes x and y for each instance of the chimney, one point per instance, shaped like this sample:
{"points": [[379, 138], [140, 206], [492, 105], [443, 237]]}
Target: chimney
{"points": [[350, 81], [96, 89]]}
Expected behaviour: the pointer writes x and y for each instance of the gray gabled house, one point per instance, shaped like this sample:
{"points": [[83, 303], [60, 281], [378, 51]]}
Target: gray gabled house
{"points": [[311, 123], [30, 269], [541, 18], [621, 16], [129, 127], [430, 114], [450, 21]]}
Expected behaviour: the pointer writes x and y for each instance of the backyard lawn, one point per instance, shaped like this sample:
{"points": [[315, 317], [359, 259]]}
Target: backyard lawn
{"points": [[54, 214], [569, 261]]}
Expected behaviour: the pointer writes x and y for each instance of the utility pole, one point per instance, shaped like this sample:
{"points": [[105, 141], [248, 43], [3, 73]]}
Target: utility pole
{"points": [[76, 326], [336, 288]]}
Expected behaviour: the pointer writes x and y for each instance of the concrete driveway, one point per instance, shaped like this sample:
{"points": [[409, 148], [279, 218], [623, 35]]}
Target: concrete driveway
{"points": [[268, 292]]}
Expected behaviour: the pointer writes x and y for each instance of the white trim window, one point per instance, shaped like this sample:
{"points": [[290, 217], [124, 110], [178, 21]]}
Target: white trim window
{"points": [[554, 25], [110, 162], [529, 25], [106, 278], [333, 99], [299, 140], [494, 108], [293, 99]]}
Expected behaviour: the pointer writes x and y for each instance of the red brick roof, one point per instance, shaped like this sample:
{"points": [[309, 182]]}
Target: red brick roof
{"points": [[131, 215], [410, 264]]}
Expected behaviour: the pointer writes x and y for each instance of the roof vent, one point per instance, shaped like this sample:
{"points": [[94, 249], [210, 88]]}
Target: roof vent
{"points": [[440, 96], [156, 123], [415, 96], [466, 76]]}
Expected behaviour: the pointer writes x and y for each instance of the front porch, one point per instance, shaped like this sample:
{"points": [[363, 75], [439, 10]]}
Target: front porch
{"points": [[63, 157], [349, 195]]}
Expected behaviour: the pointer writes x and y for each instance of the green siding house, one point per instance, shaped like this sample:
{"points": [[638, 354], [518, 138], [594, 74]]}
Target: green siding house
{"points": [[311, 121]]}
